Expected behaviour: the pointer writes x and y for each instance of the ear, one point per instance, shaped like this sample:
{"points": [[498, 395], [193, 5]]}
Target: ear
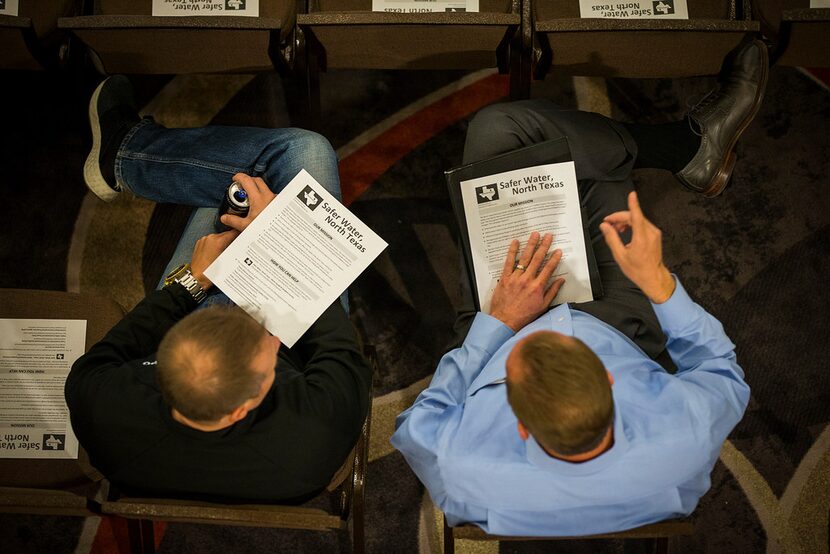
{"points": [[610, 377], [522, 431], [238, 414]]}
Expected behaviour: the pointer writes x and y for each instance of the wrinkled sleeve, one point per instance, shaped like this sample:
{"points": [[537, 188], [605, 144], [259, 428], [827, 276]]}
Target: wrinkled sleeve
{"points": [[425, 429], [136, 336], [715, 390]]}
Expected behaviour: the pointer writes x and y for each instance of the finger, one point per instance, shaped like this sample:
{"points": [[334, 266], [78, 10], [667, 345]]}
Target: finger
{"points": [[551, 293], [638, 220], [261, 184], [510, 260], [529, 249], [227, 237], [612, 239], [539, 255], [235, 222], [249, 185], [550, 267], [622, 217]]}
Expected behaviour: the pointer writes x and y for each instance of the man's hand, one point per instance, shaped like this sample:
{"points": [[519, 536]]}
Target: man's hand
{"points": [[259, 196], [208, 249], [641, 259], [522, 295]]}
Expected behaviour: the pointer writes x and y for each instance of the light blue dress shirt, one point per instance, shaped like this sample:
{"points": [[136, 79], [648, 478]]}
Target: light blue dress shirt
{"points": [[461, 440]]}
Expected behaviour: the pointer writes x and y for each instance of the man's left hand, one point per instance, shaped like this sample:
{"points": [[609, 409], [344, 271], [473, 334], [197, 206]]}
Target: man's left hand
{"points": [[523, 293], [208, 249], [259, 196]]}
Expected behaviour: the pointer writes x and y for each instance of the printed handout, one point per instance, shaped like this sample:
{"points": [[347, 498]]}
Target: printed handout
{"points": [[633, 9], [295, 259], [35, 358], [186, 8], [424, 6], [511, 205]]}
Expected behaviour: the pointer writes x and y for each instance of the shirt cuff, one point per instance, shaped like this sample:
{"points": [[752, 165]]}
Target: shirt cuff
{"points": [[674, 312], [488, 333]]}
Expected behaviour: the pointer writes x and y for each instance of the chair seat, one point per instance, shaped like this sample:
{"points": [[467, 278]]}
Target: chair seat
{"points": [[258, 515], [661, 529]]}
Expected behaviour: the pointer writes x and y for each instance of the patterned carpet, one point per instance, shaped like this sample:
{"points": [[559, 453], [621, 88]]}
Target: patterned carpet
{"points": [[756, 257]]}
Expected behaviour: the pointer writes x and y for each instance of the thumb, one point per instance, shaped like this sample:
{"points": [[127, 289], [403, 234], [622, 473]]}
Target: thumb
{"points": [[612, 239]]}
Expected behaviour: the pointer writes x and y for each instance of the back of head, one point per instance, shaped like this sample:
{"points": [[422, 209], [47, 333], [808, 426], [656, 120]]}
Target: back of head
{"points": [[560, 391], [205, 363]]}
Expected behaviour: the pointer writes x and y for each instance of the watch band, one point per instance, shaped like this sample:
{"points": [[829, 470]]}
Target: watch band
{"points": [[183, 276]]}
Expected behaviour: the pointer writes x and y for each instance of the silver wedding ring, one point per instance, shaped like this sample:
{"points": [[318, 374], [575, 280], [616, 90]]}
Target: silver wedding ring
{"points": [[520, 267]]}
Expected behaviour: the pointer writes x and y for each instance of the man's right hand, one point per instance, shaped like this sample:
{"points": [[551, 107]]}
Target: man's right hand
{"points": [[523, 293], [641, 259], [207, 249], [259, 196]]}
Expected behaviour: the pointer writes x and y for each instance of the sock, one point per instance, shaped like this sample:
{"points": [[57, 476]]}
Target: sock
{"points": [[668, 146]]}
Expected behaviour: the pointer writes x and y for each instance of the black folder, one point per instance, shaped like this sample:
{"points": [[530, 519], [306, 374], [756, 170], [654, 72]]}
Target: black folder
{"points": [[548, 152]]}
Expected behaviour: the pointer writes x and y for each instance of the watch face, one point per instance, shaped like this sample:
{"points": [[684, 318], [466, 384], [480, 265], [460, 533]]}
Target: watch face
{"points": [[176, 273]]}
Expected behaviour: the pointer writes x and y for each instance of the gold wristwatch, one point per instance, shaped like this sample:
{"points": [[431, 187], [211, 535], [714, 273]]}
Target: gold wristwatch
{"points": [[183, 276]]}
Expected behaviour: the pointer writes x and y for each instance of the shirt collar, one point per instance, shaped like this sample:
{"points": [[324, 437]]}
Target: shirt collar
{"points": [[537, 456]]}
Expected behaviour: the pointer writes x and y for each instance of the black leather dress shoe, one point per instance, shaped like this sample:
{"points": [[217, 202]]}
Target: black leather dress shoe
{"points": [[722, 116]]}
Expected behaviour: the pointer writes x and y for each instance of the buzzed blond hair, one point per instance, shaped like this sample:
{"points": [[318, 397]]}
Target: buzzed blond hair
{"points": [[205, 363]]}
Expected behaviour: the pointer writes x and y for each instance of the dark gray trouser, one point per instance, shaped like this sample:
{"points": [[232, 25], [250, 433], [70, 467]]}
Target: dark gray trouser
{"points": [[604, 154]]}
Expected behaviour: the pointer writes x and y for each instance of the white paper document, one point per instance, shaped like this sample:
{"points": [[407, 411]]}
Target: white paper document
{"points": [[175, 8], [820, 3], [295, 259], [424, 6], [9, 7], [35, 358], [633, 9], [511, 205]]}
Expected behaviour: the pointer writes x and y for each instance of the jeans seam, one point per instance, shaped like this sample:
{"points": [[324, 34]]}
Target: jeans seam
{"points": [[136, 156], [119, 180]]}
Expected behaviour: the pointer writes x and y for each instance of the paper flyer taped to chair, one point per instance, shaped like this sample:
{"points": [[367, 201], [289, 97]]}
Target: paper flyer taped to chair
{"points": [[633, 9], [9, 7], [35, 358], [513, 204], [296, 258], [186, 8], [424, 6]]}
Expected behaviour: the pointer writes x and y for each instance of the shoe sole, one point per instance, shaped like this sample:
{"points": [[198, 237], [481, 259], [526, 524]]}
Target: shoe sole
{"points": [[92, 169], [724, 171]]}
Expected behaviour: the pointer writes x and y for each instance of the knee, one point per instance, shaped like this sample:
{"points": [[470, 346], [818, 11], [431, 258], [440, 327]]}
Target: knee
{"points": [[496, 118], [314, 146], [500, 128]]}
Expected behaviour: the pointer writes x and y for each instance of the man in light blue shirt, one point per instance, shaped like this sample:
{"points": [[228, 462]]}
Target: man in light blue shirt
{"points": [[566, 421]]}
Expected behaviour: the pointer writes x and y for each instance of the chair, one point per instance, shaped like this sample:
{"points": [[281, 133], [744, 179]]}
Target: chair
{"points": [[658, 533], [126, 38], [800, 34], [31, 40], [567, 44], [59, 486], [346, 34], [346, 489]]}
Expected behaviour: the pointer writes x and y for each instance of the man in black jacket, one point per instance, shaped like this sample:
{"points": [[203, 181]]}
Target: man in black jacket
{"points": [[182, 401]]}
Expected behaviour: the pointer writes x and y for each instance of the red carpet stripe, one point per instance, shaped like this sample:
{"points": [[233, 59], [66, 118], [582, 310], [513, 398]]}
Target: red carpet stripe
{"points": [[112, 536], [820, 74], [359, 170]]}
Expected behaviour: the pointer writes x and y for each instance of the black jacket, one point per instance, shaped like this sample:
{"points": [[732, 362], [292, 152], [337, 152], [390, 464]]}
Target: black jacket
{"points": [[285, 450]]}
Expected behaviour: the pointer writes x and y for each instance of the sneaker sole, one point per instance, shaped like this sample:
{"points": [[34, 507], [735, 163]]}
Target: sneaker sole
{"points": [[92, 169], [724, 172]]}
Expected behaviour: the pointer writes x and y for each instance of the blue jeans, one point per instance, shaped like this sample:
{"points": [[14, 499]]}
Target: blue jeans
{"points": [[194, 167]]}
